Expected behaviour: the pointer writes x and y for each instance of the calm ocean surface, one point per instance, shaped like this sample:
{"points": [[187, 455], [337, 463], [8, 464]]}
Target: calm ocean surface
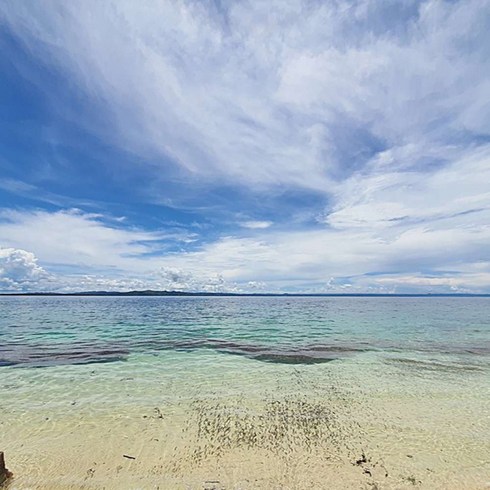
{"points": [[412, 373], [47, 331]]}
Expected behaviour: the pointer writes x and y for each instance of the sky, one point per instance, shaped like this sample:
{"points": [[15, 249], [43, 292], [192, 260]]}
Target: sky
{"points": [[245, 146]]}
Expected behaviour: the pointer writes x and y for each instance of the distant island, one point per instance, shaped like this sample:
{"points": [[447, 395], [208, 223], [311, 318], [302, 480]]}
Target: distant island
{"points": [[150, 292]]}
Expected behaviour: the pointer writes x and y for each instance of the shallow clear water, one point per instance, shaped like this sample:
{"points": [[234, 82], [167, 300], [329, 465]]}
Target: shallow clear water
{"points": [[50, 331], [231, 382]]}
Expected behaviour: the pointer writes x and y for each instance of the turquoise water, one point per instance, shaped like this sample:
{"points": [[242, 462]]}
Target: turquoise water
{"points": [[47, 331], [303, 382]]}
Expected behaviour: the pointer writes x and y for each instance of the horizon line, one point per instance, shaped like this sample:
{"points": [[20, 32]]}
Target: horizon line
{"points": [[150, 292]]}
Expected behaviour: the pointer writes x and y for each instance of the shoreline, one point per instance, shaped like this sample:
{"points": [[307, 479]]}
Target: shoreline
{"points": [[326, 427]]}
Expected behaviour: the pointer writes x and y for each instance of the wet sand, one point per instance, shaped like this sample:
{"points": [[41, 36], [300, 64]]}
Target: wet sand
{"points": [[304, 427]]}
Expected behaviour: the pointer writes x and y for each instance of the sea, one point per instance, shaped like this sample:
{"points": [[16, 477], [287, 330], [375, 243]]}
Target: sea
{"points": [[245, 392]]}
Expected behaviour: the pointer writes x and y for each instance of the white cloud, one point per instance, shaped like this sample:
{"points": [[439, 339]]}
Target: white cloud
{"points": [[72, 237], [19, 270], [83, 252], [380, 106], [174, 279], [297, 93], [307, 262], [382, 199], [299, 260], [455, 283], [160, 280], [256, 225]]}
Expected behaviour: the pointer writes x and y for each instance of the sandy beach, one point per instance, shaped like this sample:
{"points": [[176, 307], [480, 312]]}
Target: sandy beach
{"points": [[302, 428]]}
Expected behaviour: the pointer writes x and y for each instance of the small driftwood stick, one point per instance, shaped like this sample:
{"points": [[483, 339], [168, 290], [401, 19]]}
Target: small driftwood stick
{"points": [[5, 474]]}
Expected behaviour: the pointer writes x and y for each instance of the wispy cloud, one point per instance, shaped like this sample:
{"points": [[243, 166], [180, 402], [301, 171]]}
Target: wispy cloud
{"points": [[256, 225], [380, 108], [301, 94], [72, 237], [440, 198]]}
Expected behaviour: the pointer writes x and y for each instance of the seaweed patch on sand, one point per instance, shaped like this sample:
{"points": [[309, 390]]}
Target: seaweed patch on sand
{"points": [[302, 430]]}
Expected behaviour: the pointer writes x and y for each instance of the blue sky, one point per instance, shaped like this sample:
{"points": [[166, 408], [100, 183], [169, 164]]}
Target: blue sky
{"points": [[298, 146]]}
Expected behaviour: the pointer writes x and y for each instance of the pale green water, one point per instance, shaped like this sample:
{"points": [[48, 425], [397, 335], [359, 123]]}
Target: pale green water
{"points": [[314, 381]]}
